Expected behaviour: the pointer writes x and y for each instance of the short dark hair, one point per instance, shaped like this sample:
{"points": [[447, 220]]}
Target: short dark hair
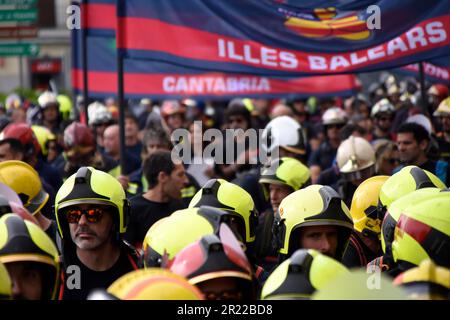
{"points": [[132, 117], [159, 161], [418, 131], [349, 129], [156, 133], [236, 107], [15, 145]]}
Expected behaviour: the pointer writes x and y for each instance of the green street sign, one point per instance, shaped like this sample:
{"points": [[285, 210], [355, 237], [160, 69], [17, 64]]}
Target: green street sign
{"points": [[27, 15], [18, 2], [18, 49]]}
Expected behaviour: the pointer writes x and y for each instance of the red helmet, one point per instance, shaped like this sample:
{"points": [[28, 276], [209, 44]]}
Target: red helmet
{"points": [[24, 134], [212, 258], [78, 139], [170, 107], [440, 90]]}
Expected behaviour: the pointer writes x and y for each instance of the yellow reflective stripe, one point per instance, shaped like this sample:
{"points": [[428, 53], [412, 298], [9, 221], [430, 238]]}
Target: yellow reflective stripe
{"points": [[188, 192], [132, 188]]}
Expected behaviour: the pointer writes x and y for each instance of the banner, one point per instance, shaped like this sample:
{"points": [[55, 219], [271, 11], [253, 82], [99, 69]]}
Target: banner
{"points": [[436, 71], [160, 80], [268, 38]]}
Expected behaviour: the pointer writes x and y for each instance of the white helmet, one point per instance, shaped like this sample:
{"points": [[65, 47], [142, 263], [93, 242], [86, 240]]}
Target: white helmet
{"points": [[284, 132], [354, 156], [98, 113], [382, 106], [334, 115], [47, 98], [422, 120]]}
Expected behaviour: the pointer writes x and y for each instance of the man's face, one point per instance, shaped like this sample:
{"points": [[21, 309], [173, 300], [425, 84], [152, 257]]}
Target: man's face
{"points": [[321, 238], [221, 289], [19, 115], [446, 124], [50, 113], [175, 121], [334, 131], [7, 154], [91, 235], [26, 281], [175, 182], [384, 122], [409, 149], [237, 122], [277, 193], [111, 141], [131, 129], [154, 145]]}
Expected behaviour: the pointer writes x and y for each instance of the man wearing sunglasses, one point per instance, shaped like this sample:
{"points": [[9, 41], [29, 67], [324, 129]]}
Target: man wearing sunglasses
{"points": [[92, 214]]}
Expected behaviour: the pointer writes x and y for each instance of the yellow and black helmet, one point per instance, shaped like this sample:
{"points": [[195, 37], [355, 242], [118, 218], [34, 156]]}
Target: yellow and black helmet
{"points": [[360, 285], [25, 181], [427, 281], [364, 209], [92, 186], [315, 205], [285, 171], [24, 241], [151, 284], [407, 180], [423, 232], [224, 195], [298, 277], [171, 234], [5, 284], [394, 211]]}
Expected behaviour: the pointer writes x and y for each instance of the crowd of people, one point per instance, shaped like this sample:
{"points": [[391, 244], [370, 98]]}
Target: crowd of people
{"points": [[352, 188]]}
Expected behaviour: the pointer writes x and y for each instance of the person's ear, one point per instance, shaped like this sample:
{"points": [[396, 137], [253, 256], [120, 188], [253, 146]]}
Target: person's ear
{"points": [[162, 177], [423, 145]]}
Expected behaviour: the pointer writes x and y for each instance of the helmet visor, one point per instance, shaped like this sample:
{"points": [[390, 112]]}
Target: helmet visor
{"points": [[36, 204]]}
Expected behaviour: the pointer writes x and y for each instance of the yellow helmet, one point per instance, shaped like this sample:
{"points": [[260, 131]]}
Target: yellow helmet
{"points": [[5, 284], [360, 285], [286, 171], [24, 241], [427, 281], [163, 238], [394, 211], [364, 208], [153, 284], [89, 185], [224, 195], [25, 181], [408, 179], [301, 275], [65, 106], [444, 108], [423, 232], [312, 206], [43, 135]]}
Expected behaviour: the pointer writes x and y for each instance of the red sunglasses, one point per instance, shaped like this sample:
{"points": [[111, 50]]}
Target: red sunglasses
{"points": [[93, 215]]}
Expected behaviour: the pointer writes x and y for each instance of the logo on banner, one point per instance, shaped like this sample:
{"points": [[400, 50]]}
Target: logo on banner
{"points": [[326, 23]]}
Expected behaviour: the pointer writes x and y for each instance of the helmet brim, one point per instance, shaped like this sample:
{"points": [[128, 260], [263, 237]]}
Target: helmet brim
{"points": [[219, 274], [38, 202]]}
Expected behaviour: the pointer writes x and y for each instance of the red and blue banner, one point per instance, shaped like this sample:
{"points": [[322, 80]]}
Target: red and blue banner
{"points": [[160, 80], [283, 38], [435, 71]]}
